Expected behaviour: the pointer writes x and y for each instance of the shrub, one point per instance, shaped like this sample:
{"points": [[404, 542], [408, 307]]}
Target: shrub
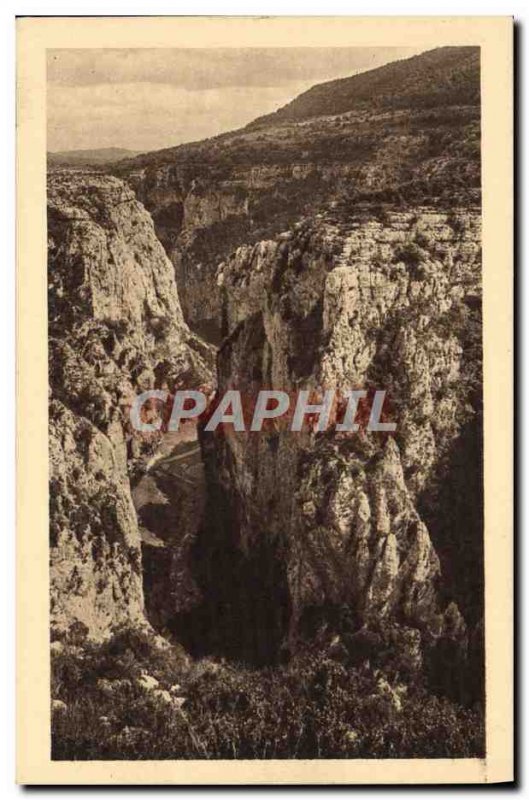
{"points": [[410, 254], [314, 707], [422, 240], [413, 257], [457, 223]]}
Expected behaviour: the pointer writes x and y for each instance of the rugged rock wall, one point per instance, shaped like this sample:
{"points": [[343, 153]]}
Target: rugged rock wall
{"points": [[308, 524], [115, 328], [208, 198], [302, 529]]}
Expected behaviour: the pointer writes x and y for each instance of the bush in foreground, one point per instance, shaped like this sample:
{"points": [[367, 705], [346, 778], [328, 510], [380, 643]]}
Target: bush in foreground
{"points": [[132, 700]]}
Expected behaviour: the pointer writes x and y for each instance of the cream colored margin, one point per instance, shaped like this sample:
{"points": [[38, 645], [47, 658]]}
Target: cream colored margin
{"points": [[494, 35]]}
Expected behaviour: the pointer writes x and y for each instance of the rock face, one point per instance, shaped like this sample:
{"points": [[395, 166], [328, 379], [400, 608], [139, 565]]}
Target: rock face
{"points": [[322, 521], [95, 557], [379, 136], [115, 328]]}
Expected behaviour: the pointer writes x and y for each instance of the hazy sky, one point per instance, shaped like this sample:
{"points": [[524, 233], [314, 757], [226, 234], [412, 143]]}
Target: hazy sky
{"points": [[146, 99]]}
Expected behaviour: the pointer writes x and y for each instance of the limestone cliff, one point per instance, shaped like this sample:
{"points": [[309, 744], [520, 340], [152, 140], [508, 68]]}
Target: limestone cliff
{"points": [[319, 521], [333, 245], [115, 327]]}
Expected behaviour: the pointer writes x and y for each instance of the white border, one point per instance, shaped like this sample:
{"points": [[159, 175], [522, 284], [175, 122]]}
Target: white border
{"points": [[7, 13]]}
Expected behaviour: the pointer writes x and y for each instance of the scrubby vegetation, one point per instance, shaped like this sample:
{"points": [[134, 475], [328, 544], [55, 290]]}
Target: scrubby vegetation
{"points": [[131, 698], [444, 76]]}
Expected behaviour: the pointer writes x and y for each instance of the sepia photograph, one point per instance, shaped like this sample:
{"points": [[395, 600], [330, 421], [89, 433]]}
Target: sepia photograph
{"points": [[265, 401]]}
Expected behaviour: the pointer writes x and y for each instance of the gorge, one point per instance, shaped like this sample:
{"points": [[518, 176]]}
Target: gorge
{"points": [[336, 243]]}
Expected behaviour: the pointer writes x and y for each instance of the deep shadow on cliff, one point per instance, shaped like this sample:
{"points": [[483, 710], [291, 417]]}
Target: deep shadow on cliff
{"points": [[455, 519]]}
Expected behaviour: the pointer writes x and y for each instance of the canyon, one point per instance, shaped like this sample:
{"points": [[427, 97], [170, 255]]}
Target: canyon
{"points": [[324, 520], [336, 244]]}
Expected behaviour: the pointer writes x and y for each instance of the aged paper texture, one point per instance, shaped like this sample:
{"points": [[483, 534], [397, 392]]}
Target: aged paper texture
{"points": [[264, 400]]}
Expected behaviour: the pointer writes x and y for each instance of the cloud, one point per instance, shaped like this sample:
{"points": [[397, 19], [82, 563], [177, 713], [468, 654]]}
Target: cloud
{"points": [[147, 99], [199, 68], [150, 116]]}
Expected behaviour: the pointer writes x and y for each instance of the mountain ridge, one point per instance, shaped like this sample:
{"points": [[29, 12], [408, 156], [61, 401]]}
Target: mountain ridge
{"points": [[97, 156], [208, 198], [452, 74], [445, 65]]}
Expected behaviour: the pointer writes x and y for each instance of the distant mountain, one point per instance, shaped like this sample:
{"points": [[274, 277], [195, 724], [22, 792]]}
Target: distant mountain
{"points": [[435, 89], [406, 134], [102, 155], [445, 76]]}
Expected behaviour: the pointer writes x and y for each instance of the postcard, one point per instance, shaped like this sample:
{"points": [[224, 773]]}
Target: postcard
{"points": [[265, 381]]}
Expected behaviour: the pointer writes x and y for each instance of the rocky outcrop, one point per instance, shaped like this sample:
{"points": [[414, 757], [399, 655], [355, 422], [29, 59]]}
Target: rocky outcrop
{"points": [[96, 576], [320, 521], [115, 328], [210, 197]]}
